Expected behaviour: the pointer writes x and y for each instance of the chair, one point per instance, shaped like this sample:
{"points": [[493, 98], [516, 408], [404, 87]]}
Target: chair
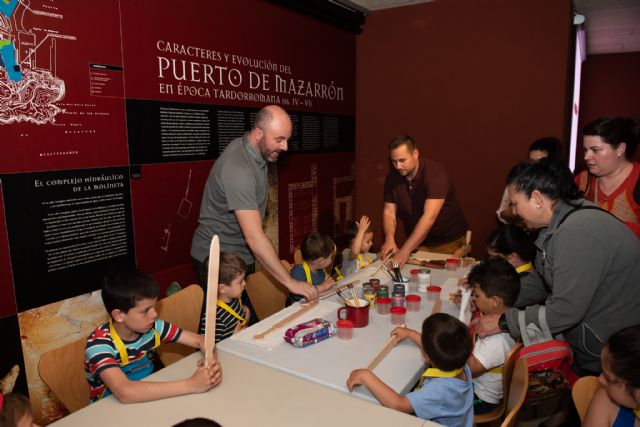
{"points": [[582, 393], [267, 295], [507, 373], [183, 310], [62, 370], [517, 392]]}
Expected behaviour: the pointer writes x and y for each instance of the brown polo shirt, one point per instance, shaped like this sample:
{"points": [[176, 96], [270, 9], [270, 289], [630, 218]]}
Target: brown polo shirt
{"points": [[431, 182]]}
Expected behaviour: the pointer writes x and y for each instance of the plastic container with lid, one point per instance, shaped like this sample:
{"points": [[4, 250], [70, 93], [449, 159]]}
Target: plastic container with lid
{"points": [[413, 302], [345, 329], [452, 264], [383, 305], [398, 315], [424, 279], [433, 292]]}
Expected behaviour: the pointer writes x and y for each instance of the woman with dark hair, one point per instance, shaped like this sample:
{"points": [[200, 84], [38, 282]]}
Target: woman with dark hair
{"points": [[611, 180], [617, 402], [586, 265]]}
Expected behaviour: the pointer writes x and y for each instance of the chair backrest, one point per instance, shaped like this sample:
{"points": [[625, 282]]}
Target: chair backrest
{"points": [[62, 370], [582, 393], [507, 373], [267, 295], [517, 392], [183, 310]]}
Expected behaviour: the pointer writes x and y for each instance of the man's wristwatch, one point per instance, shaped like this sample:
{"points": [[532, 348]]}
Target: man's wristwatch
{"points": [[502, 323]]}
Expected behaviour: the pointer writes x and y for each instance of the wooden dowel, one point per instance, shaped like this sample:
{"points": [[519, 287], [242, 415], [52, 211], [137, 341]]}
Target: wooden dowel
{"points": [[381, 264], [284, 322], [382, 353], [356, 301]]}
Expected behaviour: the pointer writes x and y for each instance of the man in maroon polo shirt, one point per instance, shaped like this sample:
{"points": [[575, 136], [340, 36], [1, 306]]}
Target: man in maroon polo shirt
{"points": [[419, 193]]}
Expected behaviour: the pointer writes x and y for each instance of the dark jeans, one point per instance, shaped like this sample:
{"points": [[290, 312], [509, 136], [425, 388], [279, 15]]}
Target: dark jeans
{"points": [[202, 280], [482, 407]]}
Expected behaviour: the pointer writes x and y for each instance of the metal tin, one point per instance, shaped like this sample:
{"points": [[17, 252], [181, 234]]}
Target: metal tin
{"points": [[375, 283], [370, 295], [383, 291], [397, 299], [399, 287]]}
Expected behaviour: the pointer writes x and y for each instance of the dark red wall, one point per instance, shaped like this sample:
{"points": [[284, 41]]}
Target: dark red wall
{"points": [[610, 87], [473, 82]]}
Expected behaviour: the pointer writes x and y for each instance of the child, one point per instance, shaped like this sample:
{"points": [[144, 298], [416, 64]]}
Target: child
{"points": [[317, 251], [617, 402], [15, 411], [445, 395], [495, 286], [231, 315], [117, 354], [513, 244], [355, 256]]}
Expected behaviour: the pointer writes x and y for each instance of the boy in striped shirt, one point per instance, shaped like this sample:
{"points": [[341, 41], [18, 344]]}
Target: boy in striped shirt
{"points": [[119, 353]]}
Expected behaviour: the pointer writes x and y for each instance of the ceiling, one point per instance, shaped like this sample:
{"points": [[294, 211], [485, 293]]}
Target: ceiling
{"points": [[611, 26]]}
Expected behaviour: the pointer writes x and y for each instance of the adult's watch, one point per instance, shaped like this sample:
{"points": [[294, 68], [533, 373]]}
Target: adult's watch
{"points": [[502, 323]]}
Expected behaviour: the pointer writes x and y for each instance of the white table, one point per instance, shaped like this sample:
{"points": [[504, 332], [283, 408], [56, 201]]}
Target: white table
{"points": [[330, 362], [250, 394]]}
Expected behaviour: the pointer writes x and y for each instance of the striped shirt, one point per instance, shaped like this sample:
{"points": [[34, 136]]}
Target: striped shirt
{"points": [[101, 352], [225, 321]]}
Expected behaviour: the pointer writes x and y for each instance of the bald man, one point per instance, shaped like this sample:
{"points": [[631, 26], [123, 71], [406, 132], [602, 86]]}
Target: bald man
{"points": [[234, 202]]}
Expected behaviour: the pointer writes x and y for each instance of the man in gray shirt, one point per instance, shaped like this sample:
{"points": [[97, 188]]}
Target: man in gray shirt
{"points": [[235, 199]]}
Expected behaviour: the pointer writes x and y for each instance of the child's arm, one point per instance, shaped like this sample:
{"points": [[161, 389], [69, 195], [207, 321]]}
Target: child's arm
{"points": [[356, 245], [601, 411], [326, 285], [385, 394], [127, 391], [403, 333], [476, 367]]}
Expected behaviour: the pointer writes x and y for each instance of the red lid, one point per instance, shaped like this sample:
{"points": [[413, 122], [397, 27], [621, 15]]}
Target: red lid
{"points": [[398, 310], [345, 323], [433, 288], [384, 300], [453, 261], [413, 298], [414, 271]]}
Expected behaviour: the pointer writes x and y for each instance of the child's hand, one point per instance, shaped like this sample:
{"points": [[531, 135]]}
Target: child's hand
{"points": [[247, 314], [327, 284], [204, 379], [364, 223], [402, 333], [464, 283], [357, 377]]}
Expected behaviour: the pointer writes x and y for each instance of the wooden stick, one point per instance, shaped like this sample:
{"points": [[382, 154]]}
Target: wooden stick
{"points": [[381, 264], [382, 353], [356, 301], [284, 322], [437, 306], [334, 291], [212, 297]]}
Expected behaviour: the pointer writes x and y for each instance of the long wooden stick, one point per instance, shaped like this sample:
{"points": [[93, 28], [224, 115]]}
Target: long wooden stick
{"points": [[212, 297], [284, 322], [381, 264], [382, 353], [334, 291]]}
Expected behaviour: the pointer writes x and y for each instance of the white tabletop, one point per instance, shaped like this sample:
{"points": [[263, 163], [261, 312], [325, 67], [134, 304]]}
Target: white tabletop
{"points": [[330, 362], [250, 394]]}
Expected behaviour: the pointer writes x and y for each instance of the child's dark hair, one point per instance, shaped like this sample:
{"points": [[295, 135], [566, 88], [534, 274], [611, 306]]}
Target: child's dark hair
{"points": [[197, 422], [508, 239], [14, 407], [231, 266], [316, 245], [496, 277], [549, 144], [122, 289], [446, 341], [624, 348]]}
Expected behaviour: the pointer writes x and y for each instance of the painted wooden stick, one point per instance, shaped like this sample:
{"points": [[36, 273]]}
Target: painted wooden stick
{"points": [[382, 263], [382, 353], [284, 322], [212, 297]]}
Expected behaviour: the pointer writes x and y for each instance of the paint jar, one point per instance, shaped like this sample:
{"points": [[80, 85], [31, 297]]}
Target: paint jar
{"points": [[398, 315], [413, 275], [397, 299], [383, 291], [399, 288], [370, 295], [433, 292], [413, 302], [424, 280], [452, 264], [404, 283], [375, 283], [366, 288], [345, 329], [383, 305]]}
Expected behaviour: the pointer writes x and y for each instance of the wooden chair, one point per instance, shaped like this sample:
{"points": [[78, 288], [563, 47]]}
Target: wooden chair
{"points": [[582, 393], [507, 373], [183, 310], [62, 370], [517, 392], [267, 295]]}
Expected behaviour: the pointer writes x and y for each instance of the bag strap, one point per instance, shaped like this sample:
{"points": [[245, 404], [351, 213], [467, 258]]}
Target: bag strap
{"points": [[531, 336], [579, 208]]}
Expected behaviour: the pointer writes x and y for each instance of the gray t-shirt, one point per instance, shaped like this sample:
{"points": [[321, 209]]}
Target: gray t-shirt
{"points": [[238, 181]]}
